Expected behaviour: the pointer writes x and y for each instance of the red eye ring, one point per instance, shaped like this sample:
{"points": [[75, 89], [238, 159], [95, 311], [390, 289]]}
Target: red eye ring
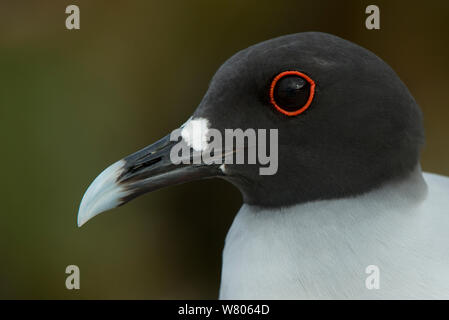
{"points": [[311, 94]]}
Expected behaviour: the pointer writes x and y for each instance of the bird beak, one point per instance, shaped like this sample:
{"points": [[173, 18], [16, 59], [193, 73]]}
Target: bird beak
{"points": [[146, 170]]}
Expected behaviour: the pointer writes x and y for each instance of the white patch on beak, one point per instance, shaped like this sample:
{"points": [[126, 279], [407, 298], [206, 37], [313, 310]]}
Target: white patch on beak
{"points": [[194, 132], [103, 194]]}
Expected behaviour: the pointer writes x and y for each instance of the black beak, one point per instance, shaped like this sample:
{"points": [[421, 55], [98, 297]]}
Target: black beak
{"points": [[146, 170]]}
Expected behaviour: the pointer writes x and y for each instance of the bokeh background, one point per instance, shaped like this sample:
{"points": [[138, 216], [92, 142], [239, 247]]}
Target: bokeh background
{"points": [[73, 102]]}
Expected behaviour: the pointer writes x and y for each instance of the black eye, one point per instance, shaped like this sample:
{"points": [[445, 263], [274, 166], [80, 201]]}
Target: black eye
{"points": [[291, 92]]}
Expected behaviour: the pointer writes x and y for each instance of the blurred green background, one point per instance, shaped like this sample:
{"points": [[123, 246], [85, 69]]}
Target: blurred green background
{"points": [[73, 102]]}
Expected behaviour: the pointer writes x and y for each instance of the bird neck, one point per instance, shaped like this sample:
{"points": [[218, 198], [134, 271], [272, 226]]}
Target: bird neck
{"points": [[266, 248]]}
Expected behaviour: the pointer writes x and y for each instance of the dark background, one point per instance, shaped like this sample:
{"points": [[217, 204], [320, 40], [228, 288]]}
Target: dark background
{"points": [[73, 102]]}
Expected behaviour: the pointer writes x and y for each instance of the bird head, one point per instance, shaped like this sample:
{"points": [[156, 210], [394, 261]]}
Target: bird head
{"points": [[343, 123]]}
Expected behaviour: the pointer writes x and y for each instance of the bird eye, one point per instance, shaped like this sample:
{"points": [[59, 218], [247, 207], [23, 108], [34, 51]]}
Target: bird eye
{"points": [[291, 92]]}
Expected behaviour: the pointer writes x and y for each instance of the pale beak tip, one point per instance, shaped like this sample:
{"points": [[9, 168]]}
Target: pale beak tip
{"points": [[80, 222], [103, 194], [84, 214], [81, 219]]}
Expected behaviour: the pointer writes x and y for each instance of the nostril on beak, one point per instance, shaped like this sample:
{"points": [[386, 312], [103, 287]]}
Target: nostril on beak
{"points": [[132, 172], [144, 164]]}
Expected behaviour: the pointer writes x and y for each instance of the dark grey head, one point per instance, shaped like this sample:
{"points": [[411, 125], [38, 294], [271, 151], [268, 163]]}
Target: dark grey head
{"points": [[362, 128]]}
